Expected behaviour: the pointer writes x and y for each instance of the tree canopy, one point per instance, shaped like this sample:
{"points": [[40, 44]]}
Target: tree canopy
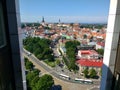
{"points": [[100, 51], [28, 64], [34, 82], [70, 52], [39, 47], [45, 82], [93, 73], [86, 72], [90, 73]]}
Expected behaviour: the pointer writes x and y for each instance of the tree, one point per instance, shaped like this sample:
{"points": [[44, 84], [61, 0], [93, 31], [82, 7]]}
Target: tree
{"points": [[50, 57], [29, 65], [26, 60], [47, 51], [93, 73], [34, 82], [84, 36], [100, 51], [45, 82], [40, 56], [29, 77], [73, 66], [22, 25], [39, 47], [72, 44], [70, 52], [86, 72], [36, 52], [36, 71]]}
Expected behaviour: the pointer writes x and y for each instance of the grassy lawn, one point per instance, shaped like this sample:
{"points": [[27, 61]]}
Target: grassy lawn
{"points": [[52, 64]]}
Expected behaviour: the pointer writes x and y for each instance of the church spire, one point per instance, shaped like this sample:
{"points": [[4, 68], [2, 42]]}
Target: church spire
{"points": [[59, 21], [43, 19]]}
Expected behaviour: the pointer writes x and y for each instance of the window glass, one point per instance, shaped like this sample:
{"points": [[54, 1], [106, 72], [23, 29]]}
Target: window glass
{"points": [[2, 29]]}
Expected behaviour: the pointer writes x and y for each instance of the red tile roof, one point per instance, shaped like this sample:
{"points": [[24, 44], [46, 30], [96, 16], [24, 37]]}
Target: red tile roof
{"points": [[88, 52], [90, 63], [85, 52]]}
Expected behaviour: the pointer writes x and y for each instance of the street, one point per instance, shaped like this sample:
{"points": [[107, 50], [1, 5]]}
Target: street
{"points": [[65, 84]]}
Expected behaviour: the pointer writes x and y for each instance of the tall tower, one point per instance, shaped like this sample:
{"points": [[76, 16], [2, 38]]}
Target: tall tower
{"points": [[59, 21], [43, 21]]}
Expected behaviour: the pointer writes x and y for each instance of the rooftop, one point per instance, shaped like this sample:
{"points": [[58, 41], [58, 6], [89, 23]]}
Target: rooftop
{"points": [[90, 62], [93, 52]]}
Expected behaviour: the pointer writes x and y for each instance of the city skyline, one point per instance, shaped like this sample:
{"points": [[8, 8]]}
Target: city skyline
{"points": [[67, 11]]}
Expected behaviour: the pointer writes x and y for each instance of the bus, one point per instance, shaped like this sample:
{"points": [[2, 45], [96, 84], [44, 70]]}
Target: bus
{"points": [[86, 81], [64, 76], [79, 80]]}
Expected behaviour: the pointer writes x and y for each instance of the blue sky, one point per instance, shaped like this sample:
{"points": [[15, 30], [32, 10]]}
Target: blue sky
{"points": [[78, 11]]}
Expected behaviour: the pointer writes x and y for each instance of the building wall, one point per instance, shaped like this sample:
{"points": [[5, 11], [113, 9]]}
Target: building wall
{"points": [[116, 78], [117, 68], [12, 75], [111, 45]]}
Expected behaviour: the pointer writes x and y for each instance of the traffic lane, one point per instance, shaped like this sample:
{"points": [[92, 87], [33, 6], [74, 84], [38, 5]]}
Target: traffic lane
{"points": [[65, 85], [50, 71], [54, 73], [39, 62]]}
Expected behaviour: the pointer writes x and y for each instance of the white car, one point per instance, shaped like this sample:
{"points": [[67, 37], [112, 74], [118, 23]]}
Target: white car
{"points": [[29, 54]]}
